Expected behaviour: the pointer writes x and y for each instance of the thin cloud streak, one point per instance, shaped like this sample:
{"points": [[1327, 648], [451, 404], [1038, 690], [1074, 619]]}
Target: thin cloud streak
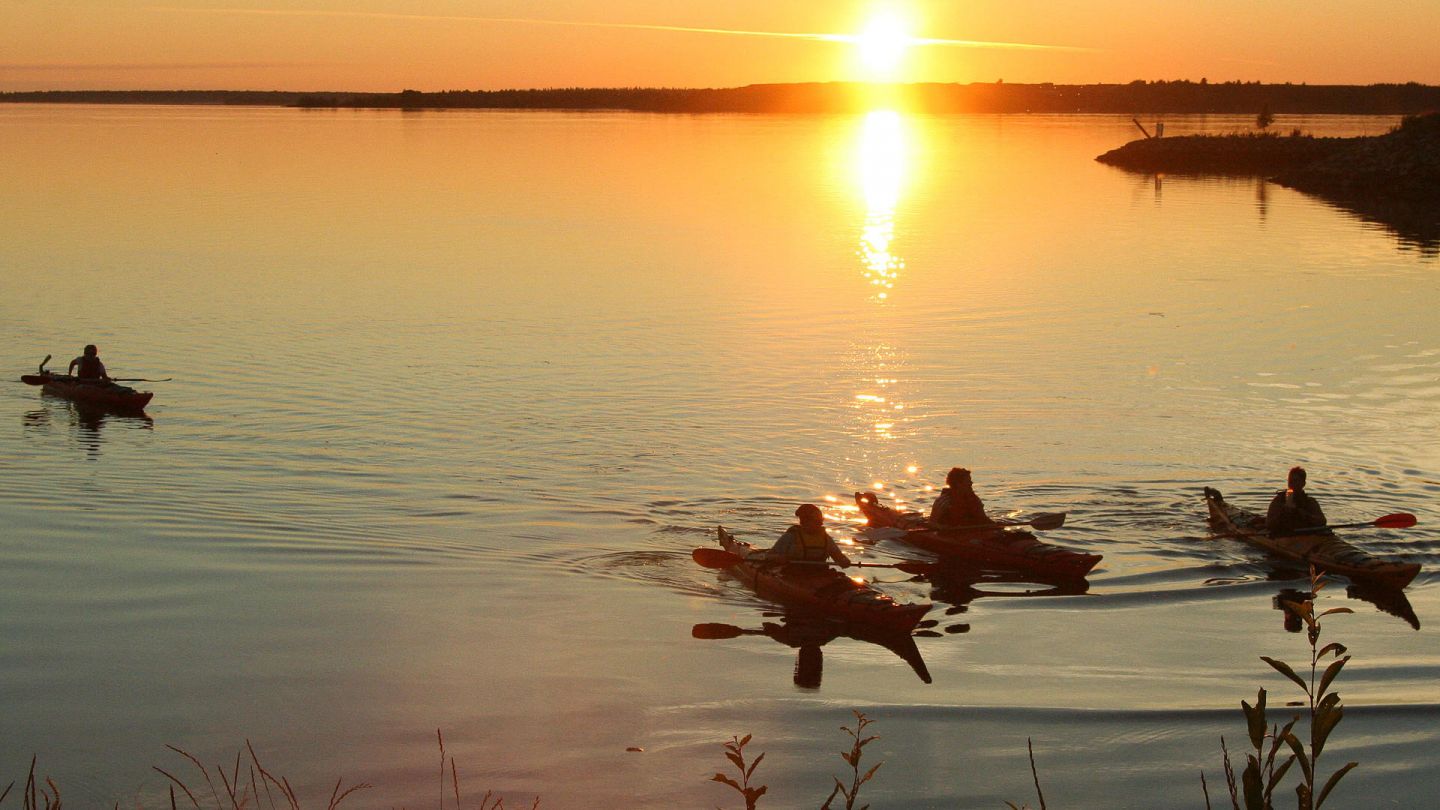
{"points": [[48, 66], [381, 15]]}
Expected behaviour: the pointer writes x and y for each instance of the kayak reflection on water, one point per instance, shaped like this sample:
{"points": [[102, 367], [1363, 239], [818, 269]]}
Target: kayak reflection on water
{"points": [[807, 635], [88, 421], [958, 584], [1387, 600]]}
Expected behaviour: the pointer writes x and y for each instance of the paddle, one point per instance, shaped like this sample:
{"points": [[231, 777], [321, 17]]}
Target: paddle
{"points": [[721, 559], [41, 379], [1041, 522], [1399, 520], [717, 630]]}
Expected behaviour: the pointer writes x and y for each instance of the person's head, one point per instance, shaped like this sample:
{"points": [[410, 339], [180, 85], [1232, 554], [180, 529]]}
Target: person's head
{"points": [[810, 516], [958, 478], [1296, 479], [91, 351]]}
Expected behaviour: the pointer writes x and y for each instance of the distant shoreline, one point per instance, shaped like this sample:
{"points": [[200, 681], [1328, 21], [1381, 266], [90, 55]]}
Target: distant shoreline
{"points": [[1134, 98]]}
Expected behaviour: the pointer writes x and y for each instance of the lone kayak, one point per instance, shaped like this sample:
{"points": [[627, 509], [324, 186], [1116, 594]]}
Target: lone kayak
{"points": [[821, 591], [999, 546], [108, 394], [1323, 550]]}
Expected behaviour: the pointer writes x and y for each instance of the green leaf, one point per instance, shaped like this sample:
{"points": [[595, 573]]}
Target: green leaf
{"points": [[1335, 647], [1281, 735], [1284, 669], [1254, 795], [1332, 782], [1278, 775], [1336, 610], [1331, 671], [751, 769], [1327, 701], [1324, 724], [720, 777], [1294, 743], [1255, 719]]}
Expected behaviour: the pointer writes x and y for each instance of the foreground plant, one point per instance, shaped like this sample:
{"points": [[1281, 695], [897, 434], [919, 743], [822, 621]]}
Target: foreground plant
{"points": [[735, 752], [240, 793], [852, 758], [1262, 775]]}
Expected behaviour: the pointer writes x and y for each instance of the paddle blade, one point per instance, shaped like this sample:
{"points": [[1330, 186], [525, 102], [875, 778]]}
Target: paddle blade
{"points": [[716, 630], [1399, 520], [1048, 520], [717, 558], [916, 567], [32, 379]]}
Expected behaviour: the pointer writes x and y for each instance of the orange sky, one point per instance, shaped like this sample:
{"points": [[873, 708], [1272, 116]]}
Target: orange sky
{"points": [[388, 45]]}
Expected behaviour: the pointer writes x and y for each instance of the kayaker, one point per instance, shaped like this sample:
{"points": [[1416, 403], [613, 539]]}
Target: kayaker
{"points": [[1292, 509], [807, 541], [958, 505], [90, 367]]}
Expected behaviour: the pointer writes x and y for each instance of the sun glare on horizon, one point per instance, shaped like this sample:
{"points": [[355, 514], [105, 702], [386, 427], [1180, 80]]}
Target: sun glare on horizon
{"points": [[883, 43]]}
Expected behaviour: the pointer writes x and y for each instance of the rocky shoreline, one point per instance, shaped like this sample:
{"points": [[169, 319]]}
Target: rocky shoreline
{"points": [[1393, 179], [1404, 162]]}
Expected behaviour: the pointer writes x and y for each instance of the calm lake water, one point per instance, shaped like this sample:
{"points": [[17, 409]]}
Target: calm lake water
{"points": [[455, 394]]}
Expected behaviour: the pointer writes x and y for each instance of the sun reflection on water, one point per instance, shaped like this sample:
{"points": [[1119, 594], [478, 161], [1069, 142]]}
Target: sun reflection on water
{"points": [[880, 160], [882, 155]]}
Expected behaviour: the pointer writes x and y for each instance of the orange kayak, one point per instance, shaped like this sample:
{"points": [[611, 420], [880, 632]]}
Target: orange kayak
{"points": [[821, 590], [999, 546], [1323, 550], [97, 392]]}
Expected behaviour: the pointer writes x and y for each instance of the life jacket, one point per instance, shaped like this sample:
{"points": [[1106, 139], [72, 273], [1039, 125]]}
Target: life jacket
{"points": [[953, 508], [811, 547], [90, 368]]}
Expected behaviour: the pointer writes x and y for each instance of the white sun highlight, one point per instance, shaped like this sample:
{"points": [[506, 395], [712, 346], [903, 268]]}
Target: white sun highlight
{"points": [[883, 44]]}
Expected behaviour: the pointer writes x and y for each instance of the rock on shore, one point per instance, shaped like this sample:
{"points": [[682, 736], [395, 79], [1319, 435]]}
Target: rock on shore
{"points": [[1402, 164]]}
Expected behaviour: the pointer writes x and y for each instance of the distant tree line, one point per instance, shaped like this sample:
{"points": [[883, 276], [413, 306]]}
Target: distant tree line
{"points": [[1137, 97]]}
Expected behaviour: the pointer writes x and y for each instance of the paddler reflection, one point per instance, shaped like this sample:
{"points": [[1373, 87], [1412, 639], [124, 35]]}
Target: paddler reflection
{"points": [[1391, 601], [806, 635], [958, 584]]}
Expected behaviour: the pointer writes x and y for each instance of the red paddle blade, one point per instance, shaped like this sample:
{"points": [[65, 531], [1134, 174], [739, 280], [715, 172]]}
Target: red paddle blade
{"points": [[32, 379], [1048, 520], [1399, 520], [916, 567], [714, 557]]}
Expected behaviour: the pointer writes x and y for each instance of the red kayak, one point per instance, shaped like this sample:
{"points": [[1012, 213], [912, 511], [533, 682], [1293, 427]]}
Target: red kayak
{"points": [[822, 591], [93, 392], [989, 545]]}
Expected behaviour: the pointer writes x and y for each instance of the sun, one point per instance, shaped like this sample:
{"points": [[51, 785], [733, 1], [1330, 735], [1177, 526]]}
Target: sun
{"points": [[882, 44]]}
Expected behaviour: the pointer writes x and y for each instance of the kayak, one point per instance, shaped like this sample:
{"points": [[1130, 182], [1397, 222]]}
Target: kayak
{"points": [[107, 394], [999, 546], [821, 590], [1323, 550]]}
